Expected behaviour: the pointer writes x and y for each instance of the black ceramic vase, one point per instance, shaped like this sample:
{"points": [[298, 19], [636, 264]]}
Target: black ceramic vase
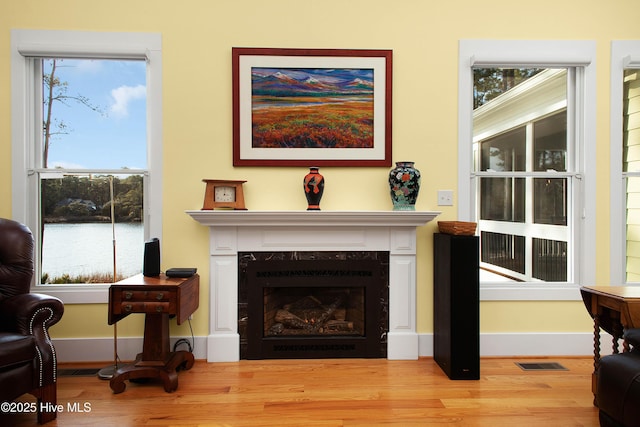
{"points": [[404, 185], [313, 185]]}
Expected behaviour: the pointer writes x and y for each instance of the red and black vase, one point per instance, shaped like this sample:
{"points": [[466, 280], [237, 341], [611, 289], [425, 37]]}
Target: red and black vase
{"points": [[313, 185]]}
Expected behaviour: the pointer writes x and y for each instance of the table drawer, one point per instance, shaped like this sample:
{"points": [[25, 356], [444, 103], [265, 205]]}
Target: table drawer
{"points": [[150, 296], [145, 307], [154, 296]]}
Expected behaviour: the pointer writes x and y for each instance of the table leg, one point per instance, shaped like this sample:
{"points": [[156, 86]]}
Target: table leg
{"points": [[596, 356], [596, 342], [167, 373], [617, 332], [155, 361]]}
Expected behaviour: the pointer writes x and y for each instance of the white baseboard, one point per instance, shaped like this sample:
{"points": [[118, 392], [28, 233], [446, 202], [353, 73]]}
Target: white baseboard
{"points": [[531, 344], [223, 347], [70, 350]]}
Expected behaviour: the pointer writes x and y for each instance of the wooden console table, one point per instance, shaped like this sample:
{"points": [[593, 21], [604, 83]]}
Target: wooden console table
{"points": [[158, 298], [614, 309]]}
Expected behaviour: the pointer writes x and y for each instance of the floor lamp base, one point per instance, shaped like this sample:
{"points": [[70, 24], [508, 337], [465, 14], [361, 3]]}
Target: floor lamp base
{"points": [[107, 372]]}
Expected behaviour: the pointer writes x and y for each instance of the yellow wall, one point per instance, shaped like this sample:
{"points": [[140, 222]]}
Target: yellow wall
{"points": [[197, 39]]}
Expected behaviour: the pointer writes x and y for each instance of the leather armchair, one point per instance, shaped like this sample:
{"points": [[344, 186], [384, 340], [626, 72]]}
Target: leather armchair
{"points": [[27, 356], [618, 387]]}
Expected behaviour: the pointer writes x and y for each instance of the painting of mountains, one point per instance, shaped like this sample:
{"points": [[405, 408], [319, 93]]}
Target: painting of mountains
{"points": [[312, 108]]}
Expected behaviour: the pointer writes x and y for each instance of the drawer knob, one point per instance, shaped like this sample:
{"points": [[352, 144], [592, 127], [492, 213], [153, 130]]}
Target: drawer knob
{"points": [[159, 309], [128, 295], [159, 296], [128, 307]]}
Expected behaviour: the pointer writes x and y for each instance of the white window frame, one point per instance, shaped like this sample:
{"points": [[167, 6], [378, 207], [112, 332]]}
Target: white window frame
{"points": [[624, 54], [528, 54], [26, 44]]}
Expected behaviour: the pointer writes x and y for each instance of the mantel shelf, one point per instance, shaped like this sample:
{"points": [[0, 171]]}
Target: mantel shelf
{"points": [[232, 218]]}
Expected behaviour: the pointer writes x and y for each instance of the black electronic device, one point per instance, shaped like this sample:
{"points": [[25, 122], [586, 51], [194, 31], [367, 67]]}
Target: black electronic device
{"points": [[151, 263], [181, 272]]}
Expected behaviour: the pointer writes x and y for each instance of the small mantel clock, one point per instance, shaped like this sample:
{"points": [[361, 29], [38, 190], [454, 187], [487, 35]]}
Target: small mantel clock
{"points": [[223, 194]]}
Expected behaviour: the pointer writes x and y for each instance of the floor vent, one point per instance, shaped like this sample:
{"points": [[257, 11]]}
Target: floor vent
{"points": [[78, 372], [553, 366]]}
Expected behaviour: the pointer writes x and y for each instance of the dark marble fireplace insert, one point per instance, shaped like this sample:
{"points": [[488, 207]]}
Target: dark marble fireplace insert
{"points": [[299, 305]]}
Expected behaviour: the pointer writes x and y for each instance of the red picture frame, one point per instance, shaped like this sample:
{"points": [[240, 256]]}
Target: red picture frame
{"points": [[312, 107]]}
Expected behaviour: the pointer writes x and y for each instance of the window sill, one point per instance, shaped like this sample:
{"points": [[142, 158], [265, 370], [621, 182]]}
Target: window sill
{"points": [[529, 292], [76, 294]]}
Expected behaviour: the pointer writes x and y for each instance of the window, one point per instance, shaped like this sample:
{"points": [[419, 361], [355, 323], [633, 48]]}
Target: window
{"points": [[526, 164], [625, 162], [87, 174]]}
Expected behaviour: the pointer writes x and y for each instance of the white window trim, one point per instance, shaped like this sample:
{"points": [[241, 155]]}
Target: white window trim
{"points": [[77, 44], [624, 54], [528, 53]]}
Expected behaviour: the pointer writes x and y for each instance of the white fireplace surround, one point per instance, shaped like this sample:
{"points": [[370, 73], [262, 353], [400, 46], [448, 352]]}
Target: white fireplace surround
{"points": [[231, 232]]}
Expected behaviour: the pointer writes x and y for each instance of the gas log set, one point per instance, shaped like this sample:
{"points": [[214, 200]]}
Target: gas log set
{"points": [[311, 316]]}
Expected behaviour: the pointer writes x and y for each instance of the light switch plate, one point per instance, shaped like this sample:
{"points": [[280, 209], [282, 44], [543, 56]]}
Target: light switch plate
{"points": [[445, 197]]}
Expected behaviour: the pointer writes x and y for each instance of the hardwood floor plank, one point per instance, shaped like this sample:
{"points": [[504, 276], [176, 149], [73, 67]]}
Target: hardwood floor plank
{"points": [[336, 392]]}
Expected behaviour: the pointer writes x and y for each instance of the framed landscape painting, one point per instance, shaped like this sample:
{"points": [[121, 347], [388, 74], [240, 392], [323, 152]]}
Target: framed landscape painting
{"points": [[311, 107]]}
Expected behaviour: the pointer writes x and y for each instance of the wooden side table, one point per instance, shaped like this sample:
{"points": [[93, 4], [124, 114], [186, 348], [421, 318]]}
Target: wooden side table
{"points": [[614, 309], [158, 298]]}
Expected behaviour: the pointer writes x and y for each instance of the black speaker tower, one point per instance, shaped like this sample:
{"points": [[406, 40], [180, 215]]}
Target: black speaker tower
{"points": [[456, 305], [151, 265]]}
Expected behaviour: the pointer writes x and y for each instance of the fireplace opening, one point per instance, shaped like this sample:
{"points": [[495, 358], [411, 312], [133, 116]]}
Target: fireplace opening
{"points": [[313, 305]]}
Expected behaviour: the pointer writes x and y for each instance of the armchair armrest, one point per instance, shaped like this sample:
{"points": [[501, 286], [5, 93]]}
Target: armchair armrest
{"points": [[632, 336], [33, 314], [25, 312]]}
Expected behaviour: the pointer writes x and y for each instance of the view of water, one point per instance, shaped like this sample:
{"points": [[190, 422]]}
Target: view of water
{"points": [[77, 249]]}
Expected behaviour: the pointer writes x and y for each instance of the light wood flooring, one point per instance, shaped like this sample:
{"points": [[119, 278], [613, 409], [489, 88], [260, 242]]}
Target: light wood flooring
{"points": [[336, 392]]}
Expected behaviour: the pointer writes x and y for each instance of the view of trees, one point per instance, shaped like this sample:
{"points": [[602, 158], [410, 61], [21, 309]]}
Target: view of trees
{"points": [[56, 91], [88, 198], [489, 83]]}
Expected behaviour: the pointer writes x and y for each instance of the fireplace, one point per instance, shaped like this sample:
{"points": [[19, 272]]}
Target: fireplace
{"points": [[236, 232], [313, 304]]}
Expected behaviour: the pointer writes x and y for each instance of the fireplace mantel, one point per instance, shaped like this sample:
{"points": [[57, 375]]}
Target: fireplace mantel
{"points": [[232, 218], [231, 232]]}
